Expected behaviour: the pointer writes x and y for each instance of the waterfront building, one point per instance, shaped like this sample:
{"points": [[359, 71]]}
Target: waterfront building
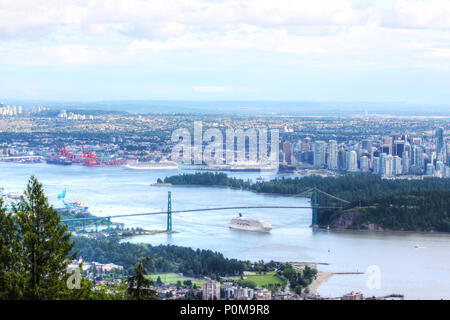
{"points": [[353, 296], [263, 295]]}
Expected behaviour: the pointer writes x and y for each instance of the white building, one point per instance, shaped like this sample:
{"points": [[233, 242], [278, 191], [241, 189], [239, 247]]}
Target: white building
{"points": [[352, 161], [364, 164], [211, 290], [332, 155], [319, 153], [398, 169]]}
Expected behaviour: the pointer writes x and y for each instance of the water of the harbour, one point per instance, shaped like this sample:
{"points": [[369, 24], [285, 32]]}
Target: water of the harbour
{"points": [[419, 273]]}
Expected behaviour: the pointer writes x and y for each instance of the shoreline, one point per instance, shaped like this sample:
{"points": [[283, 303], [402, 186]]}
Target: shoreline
{"points": [[322, 277], [319, 228]]}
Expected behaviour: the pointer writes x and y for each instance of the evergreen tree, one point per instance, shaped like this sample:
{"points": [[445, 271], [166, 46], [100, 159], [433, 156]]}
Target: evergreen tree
{"points": [[10, 280], [139, 285], [44, 246]]}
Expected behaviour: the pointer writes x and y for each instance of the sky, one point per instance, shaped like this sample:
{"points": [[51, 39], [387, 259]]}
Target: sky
{"points": [[274, 50]]}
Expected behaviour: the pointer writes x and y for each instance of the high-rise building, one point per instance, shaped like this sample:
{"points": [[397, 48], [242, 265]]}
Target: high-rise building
{"points": [[287, 151], [387, 145], [211, 290], [366, 145], [447, 172], [319, 153], [364, 164], [376, 165], [417, 141], [397, 169], [406, 162], [387, 164], [341, 160], [429, 171], [352, 161], [417, 158], [399, 147], [306, 145], [332, 155], [439, 140]]}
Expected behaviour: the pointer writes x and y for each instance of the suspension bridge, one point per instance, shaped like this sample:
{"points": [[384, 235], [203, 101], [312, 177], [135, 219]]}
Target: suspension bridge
{"points": [[312, 193]]}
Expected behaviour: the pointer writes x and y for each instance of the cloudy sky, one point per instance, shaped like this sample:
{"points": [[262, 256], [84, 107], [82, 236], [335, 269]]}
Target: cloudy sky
{"points": [[321, 50]]}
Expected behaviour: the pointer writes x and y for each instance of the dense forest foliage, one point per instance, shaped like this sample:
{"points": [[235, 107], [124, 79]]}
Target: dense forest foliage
{"points": [[422, 211], [163, 259], [384, 201], [298, 281]]}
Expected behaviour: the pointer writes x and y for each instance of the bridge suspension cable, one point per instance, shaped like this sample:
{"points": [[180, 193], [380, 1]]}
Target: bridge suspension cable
{"points": [[314, 205]]}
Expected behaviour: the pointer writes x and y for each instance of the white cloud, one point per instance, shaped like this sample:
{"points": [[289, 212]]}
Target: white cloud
{"points": [[111, 31], [159, 19]]}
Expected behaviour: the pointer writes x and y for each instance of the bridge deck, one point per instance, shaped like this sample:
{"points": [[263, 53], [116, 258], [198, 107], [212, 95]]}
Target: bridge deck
{"points": [[198, 210]]}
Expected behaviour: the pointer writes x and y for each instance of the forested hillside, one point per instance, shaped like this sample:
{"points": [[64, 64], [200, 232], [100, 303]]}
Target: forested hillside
{"points": [[163, 258], [393, 204]]}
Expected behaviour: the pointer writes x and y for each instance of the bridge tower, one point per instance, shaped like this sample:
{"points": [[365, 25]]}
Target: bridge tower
{"points": [[314, 207], [108, 219], [169, 211]]}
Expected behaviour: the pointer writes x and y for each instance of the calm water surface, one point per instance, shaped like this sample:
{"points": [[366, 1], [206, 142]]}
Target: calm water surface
{"points": [[422, 273]]}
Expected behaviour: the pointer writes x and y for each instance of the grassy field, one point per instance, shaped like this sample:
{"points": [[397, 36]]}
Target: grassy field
{"points": [[265, 279], [173, 278], [260, 280]]}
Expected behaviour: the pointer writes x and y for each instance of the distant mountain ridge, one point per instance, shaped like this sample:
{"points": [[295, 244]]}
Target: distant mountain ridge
{"points": [[264, 108]]}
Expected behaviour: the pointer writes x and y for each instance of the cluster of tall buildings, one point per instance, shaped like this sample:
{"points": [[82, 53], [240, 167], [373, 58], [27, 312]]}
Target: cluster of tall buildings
{"points": [[389, 156], [38, 109], [73, 116], [10, 110]]}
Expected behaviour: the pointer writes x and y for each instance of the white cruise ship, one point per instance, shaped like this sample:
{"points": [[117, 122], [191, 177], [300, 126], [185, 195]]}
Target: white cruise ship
{"points": [[162, 165], [241, 223]]}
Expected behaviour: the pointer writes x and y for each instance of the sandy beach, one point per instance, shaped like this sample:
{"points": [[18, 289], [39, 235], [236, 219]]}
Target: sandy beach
{"points": [[322, 277]]}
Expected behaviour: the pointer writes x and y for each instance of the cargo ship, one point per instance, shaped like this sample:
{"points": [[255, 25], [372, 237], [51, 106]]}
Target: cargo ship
{"points": [[59, 161], [241, 223]]}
